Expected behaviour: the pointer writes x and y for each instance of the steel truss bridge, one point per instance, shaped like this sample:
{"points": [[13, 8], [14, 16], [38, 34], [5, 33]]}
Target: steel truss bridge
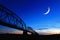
{"points": [[10, 19]]}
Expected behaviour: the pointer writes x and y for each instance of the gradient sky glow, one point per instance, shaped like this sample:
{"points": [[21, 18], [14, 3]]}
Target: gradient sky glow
{"points": [[32, 12]]}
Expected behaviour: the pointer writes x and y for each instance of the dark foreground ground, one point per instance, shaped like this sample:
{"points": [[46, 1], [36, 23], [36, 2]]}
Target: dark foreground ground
{"points": [[28, 37]]}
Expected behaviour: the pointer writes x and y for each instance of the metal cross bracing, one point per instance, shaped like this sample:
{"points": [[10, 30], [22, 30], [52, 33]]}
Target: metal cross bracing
{"points": [[10, 19]]}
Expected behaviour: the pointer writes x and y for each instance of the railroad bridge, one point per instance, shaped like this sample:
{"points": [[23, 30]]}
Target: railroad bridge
{"points": [[10, 19]]}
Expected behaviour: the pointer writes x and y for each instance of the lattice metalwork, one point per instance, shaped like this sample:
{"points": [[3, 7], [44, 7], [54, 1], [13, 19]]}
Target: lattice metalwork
{"points": [[9, 17]]}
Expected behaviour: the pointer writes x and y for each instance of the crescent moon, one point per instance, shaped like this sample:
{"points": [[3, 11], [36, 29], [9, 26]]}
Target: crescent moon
{"points": [[47, 11]]}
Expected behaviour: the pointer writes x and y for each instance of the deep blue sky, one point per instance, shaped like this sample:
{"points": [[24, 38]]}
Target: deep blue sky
{"points": [[32, 12]]}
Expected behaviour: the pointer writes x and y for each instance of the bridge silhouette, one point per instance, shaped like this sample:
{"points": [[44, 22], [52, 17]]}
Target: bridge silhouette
{"points": [[10, 19]]}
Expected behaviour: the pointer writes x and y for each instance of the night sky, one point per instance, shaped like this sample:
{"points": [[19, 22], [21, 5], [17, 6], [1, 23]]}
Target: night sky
{"points": [[32, 12]]}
